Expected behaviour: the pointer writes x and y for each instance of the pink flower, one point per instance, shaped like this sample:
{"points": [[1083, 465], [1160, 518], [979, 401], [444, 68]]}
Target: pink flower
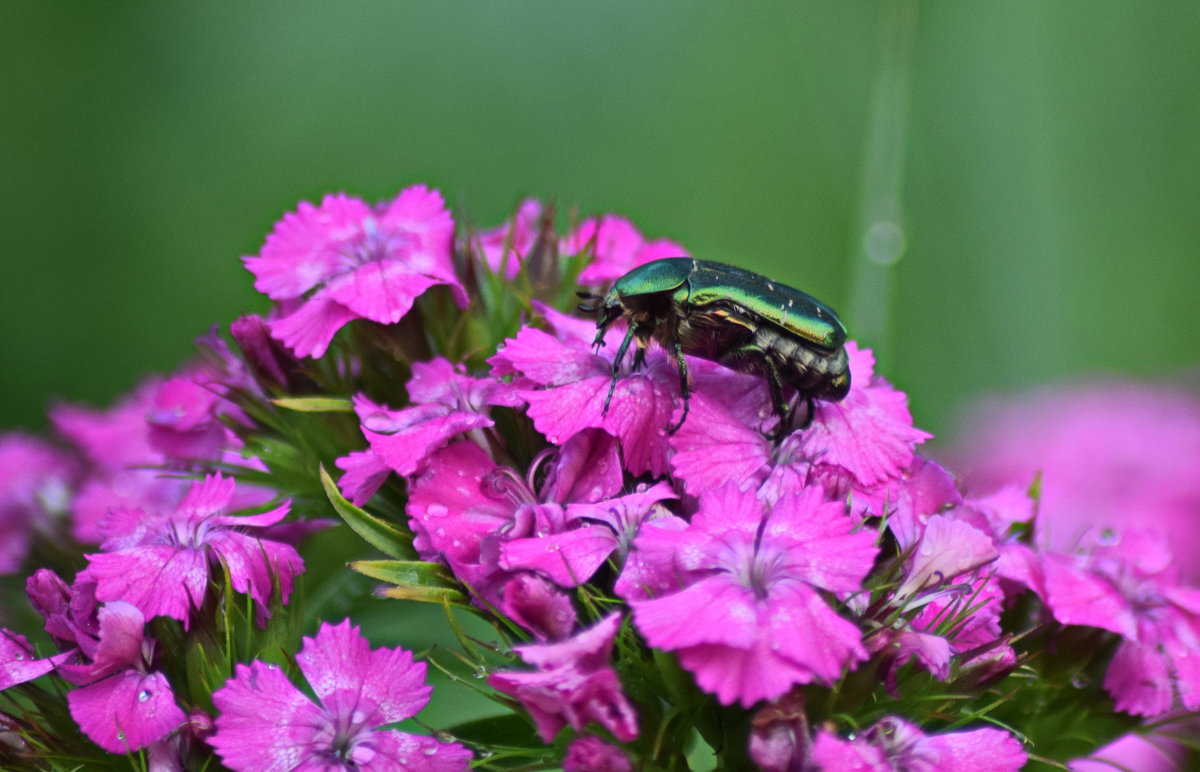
{"points": [[591, 754], [1127, 584], [746, 617], [466, 511], [35, 487], [617, 246], [893, 744], [862, 442], [123, 703], [574, 684], [1110, 454], [266, 724], [445, 403], [507, 246], [345, 260], [18, 661], [160, 561], [566, 385]]}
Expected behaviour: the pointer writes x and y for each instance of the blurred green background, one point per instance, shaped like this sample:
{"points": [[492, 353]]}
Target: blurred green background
{"points": [[1037, 162]]}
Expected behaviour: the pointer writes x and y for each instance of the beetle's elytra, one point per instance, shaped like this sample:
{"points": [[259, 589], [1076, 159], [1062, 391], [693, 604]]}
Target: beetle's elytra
{"points": [[731, 316]]}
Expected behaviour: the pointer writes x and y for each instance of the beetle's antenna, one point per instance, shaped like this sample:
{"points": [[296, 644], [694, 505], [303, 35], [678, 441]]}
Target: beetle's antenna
{"points": [[591, 306]]}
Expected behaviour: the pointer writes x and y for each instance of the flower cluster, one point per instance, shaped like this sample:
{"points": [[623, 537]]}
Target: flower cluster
{"points": [[670, 569]]}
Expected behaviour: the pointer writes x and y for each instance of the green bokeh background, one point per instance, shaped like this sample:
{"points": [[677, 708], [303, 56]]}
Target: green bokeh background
{"points": [[1047, 181]]}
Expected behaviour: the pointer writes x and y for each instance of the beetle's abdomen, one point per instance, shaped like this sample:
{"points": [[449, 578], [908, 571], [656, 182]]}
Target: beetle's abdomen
{"points": [[819, 373]]}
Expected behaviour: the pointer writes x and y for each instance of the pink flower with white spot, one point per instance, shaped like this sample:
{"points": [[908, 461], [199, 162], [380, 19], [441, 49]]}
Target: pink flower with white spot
{"points": [[346, 260]]}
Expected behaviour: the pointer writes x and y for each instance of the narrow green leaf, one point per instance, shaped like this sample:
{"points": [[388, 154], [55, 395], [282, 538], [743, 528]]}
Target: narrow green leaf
{"points": [[439, 595], [378, 533], [315, 404], [406, 573]]}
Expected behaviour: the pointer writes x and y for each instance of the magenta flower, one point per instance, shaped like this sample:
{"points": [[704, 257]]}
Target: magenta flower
{"points": [[161, 561], [862, 442], [122, 703], [1128, 584], [19, 663], [123, 465], [942, 577], [35, 487], [746, 617], [617, 246], [506, 246], [574, 684], [591, 754], [465, 509], [1137, 472], [266, 724], [894, 744], [345, 260], [446, 402], [566, 384]]}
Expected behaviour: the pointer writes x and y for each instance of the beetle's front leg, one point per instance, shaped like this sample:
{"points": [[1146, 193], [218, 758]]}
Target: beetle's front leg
{"points": [[685, 390], [616, 368]]}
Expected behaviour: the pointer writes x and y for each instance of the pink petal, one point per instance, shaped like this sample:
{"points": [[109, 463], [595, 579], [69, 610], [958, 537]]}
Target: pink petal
{"points": [[381, 290], [568, 558], [126, 711], [303, 249], [265, 723], [365, 474], [339, 658], [158, 579], [713, 448], [308, 330], [1139, 680], [716, 610]]}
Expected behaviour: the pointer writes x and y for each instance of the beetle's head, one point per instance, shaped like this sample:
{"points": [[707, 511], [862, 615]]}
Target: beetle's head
{"points": [[607, 307]]}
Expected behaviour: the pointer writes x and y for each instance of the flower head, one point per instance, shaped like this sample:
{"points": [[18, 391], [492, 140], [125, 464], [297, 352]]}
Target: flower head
{"points": [[345, 260], [123, 703], [574, 684], [895, 744], [266, 724], [161, 561], [747, 618]]}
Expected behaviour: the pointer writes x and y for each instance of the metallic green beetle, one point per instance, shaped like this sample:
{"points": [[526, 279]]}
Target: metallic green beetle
{"points": [[731, 316]]}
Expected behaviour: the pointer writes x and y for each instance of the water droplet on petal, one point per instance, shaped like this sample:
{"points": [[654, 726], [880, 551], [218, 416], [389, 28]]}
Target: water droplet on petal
{"points": [[1080, 681], [143, 695]]}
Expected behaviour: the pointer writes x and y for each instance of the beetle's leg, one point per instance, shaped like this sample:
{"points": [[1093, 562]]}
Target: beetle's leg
{"points": [[612, 386], [775, 384], [684, 389], [639, 359], [809, 412]]}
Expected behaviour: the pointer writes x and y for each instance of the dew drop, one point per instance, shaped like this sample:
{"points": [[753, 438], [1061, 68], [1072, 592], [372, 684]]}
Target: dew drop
{"points": [[1080, 681], [430, 750], [121, 736], [143, 695], [1109, 538]]}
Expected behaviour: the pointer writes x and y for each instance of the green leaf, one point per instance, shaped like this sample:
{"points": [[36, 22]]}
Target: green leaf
{"points": [[406, 573], [509, 730], [437, 595], [380, 534], [315, 404]]}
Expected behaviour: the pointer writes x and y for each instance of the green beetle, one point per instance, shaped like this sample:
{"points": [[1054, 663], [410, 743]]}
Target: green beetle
{"points": [[731, 316]]}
